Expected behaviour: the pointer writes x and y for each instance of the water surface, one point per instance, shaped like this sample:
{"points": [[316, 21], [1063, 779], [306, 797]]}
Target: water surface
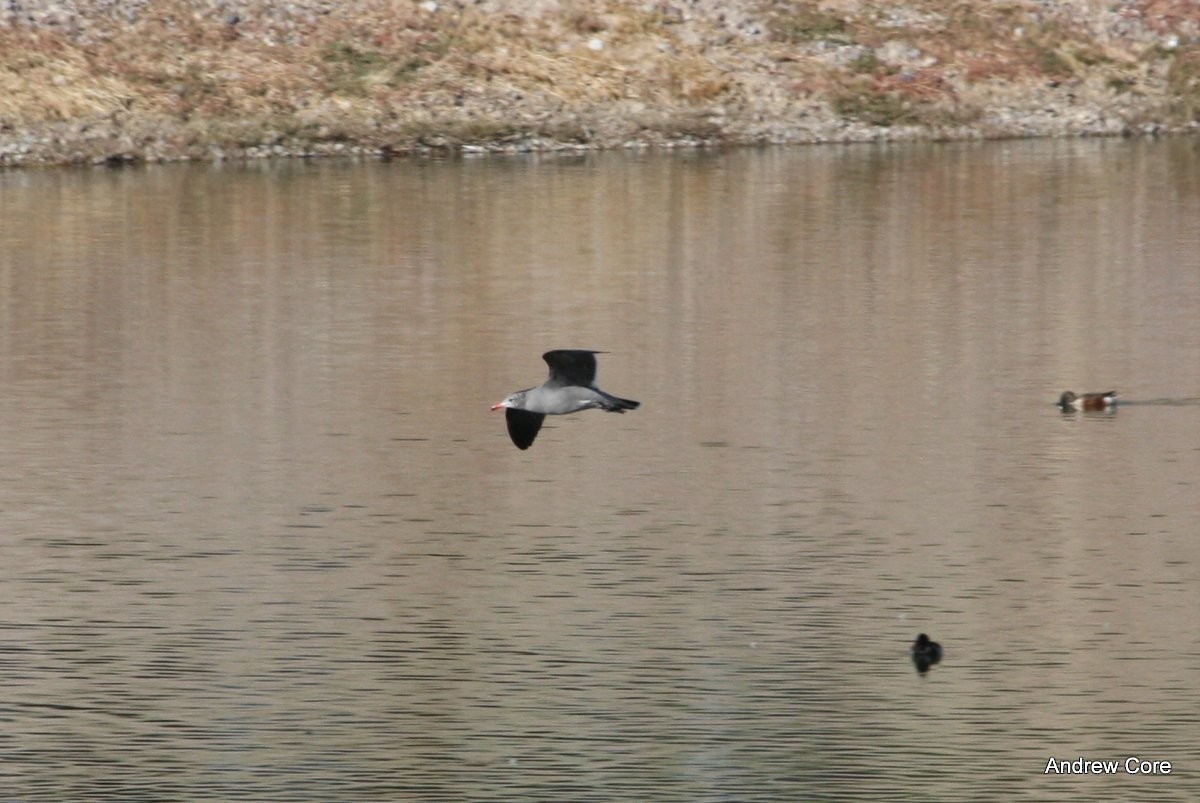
{"points": [[263, 539]]}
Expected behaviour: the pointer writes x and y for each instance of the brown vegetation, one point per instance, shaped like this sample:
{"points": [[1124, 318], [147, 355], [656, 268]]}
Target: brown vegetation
{"points": [[181, 79]]}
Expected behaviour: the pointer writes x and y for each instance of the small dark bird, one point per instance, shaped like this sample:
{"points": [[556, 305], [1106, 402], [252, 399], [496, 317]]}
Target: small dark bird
{"points": [[1089, 402], [570, 388], [925, 653]]}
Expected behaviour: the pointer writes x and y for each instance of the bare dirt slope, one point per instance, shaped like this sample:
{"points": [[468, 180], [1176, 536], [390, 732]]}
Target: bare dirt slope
{"points": [[95, 80]]}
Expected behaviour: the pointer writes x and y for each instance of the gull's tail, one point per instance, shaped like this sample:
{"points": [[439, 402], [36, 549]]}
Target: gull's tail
{"points": [[614, 404]]}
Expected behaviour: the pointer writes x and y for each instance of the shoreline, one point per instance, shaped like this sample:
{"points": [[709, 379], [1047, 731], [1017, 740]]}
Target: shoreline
{"points": [[219, 80]]}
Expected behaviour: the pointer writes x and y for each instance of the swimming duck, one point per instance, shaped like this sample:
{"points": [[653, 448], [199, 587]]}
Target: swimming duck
{"points": [[1090, 402]]}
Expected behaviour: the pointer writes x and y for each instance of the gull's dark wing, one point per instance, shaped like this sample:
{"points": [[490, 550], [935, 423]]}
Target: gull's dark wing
{"points": [[571, 367], [523, 426]]}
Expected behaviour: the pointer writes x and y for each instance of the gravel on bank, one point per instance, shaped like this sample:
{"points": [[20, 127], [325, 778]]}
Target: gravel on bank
{"points": [[94, 81]]}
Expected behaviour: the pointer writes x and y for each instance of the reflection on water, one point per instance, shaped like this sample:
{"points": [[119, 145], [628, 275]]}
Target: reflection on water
{"points": [[263, 538], [1186, 402]]}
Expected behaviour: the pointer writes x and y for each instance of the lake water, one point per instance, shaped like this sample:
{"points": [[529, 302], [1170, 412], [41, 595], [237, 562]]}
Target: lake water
{"points": [[262, 538]]}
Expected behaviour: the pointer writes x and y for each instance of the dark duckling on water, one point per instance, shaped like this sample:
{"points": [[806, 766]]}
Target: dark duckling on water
{"points": [[925, 653]]}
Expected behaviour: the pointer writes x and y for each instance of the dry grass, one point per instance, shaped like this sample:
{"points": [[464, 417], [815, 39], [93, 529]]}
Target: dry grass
{"points": [[183, 80], [1183, 80], [796, 23], [43, 80]]}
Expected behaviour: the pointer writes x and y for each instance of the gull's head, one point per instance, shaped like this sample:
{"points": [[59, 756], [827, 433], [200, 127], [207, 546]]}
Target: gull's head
{"points": [[516, 400]]}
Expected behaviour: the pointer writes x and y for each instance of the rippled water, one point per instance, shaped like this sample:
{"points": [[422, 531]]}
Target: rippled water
{"points": [[262, 538]]}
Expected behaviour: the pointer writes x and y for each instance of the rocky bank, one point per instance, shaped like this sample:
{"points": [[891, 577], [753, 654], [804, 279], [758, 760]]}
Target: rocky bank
{"points": [[85, 81]]}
